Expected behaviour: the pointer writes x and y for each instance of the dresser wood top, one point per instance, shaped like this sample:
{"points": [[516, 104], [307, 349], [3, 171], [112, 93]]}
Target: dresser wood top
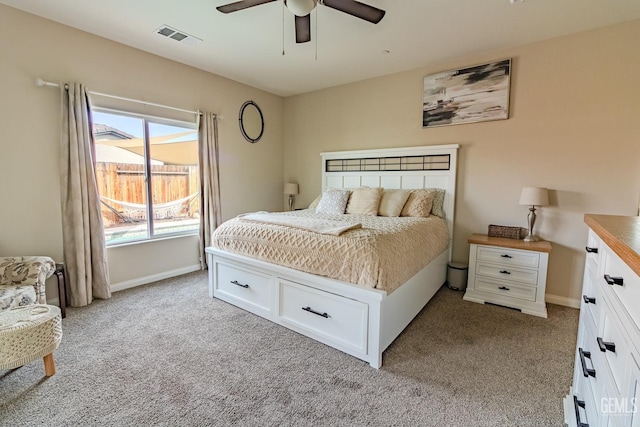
{"points": [[483, 239], [621, 234]]}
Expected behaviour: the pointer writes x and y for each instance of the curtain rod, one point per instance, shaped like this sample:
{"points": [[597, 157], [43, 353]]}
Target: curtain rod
{"points": [[40, 82]]}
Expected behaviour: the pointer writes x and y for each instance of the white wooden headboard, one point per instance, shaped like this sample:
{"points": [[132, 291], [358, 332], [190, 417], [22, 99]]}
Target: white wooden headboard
{"points": [[432, 166]]}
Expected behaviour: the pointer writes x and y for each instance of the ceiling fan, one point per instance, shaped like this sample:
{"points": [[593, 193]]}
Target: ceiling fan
{"points": [[302, 10]]}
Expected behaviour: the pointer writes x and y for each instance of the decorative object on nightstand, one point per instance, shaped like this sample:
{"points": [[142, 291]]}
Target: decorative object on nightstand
{"points": [[508, 272], [533, 196], [291, 189]]}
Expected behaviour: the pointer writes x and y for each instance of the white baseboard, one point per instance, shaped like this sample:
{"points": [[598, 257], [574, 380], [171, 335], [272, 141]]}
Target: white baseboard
{"points": [[567, 302], [115, 287]]}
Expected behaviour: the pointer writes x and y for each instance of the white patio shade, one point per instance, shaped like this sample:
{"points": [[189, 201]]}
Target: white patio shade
{"points": [[175, 149]]}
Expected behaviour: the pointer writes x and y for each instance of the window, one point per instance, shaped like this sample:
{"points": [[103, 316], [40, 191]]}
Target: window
{"points": [[147, 176]]}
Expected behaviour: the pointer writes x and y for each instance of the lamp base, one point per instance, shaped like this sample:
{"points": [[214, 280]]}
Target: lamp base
{"points": [[531, 238]]}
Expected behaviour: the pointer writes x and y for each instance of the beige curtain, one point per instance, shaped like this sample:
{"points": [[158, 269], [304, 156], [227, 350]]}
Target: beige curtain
{"points": [[82, 230], [210, 216]]}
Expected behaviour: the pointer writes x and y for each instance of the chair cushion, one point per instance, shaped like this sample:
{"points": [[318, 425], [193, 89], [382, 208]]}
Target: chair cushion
{"points": [[16, 296]]}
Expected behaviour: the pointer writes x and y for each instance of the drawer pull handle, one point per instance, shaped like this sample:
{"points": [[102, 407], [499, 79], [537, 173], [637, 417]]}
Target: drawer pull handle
{"points": [[506, 256], [591, 250], [604, 346], [235, 282], [504, 288], [505, 272], [586, 371], [614, 280], [310, 310], [577, 404], [589, 300]]}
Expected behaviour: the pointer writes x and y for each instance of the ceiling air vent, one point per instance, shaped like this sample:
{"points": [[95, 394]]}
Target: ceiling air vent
{"points": [[177, 35]]}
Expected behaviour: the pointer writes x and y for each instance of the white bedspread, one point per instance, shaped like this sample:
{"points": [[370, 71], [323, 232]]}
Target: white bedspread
{"points": [[383, 253]]}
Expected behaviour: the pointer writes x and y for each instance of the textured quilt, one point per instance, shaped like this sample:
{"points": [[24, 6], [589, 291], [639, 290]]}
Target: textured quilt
{"points": [[384, 253]]}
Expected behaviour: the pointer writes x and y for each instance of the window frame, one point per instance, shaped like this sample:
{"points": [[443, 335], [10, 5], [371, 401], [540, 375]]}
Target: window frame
{"points": [[146, 119]]}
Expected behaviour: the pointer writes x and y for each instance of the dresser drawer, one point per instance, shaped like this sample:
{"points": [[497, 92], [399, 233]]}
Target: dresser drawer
{"points": [[628, 291], [592, 302], [249, 289], [505, 289], [508, 273], [508, 257], [613, 347], [591, 364], [332, 318]]}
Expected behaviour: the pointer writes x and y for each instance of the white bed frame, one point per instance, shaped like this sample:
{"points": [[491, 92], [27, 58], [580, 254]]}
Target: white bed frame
{"points": [[359, 321]]}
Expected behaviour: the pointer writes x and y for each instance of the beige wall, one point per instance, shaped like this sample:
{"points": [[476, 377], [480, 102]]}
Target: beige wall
{"points": [[574, 128], [251, 174]]}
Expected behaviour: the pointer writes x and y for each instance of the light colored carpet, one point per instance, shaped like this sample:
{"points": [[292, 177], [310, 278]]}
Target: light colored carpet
{"points": [[167, 354]]}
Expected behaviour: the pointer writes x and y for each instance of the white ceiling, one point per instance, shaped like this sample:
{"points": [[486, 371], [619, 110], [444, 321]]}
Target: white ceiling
{"points": [[247, 45]]}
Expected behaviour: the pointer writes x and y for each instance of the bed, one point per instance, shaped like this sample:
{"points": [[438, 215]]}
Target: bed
{"points": [[361, 307]]}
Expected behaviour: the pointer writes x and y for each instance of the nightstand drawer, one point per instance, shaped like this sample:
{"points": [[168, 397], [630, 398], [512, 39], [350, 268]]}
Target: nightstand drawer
{"points": [[524, 292], [508, 256], [508, 273]]}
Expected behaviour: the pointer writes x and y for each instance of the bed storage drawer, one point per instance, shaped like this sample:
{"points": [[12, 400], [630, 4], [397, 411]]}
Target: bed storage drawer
{"points": [[322, 315], [247, 289]]}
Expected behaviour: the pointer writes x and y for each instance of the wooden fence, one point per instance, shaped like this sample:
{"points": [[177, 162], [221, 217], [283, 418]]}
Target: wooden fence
{"points": [[125, 182]]}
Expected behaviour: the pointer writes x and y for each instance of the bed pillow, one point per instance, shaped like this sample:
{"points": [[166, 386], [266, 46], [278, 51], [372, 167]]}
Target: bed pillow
{"points": [[364, 201], [419, 203], [438, 202], [333, 202], [392, 202]]}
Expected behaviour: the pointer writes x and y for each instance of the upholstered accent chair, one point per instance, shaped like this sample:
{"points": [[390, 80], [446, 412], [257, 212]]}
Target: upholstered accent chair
{"points": [[22, 280]]}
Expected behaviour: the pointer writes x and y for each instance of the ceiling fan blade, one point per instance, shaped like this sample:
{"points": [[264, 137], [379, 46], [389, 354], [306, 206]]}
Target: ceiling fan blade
{"points": [[242, 4], [303, 28], [357, 9]]}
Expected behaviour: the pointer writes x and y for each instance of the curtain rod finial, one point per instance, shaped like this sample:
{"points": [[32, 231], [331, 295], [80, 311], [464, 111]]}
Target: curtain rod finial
{"points": [[39, 82]]}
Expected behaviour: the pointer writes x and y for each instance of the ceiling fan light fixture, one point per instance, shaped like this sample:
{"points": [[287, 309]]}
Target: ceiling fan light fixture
{"points": [[300, 7]]}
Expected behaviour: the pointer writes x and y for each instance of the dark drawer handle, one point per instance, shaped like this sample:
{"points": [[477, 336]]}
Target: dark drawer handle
{"points": [[504, 288], [310, 310], [505, 272], [591, 250], [506, 256], [235, 282], [586, 371], [614, 280], [577, 404], [604, 346], [589, 300]]}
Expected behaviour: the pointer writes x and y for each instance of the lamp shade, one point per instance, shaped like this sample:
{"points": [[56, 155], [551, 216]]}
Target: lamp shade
{"points": [[290, 188], [533, 196]]}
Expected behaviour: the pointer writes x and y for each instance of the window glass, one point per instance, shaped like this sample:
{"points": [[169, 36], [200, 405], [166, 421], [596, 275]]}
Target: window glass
{"points": [[147, 175]]}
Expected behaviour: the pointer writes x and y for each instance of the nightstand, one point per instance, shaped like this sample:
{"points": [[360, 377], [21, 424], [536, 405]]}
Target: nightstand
{"points": [[508, 272]]}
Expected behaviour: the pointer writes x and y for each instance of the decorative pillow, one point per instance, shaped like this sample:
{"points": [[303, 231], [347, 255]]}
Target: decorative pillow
{"points": [[438, 202], [315, 202], [364, 201], [419, 203], [392, 202], [333, 202]]}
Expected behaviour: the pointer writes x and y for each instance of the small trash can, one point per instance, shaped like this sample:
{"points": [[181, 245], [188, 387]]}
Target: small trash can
{"points": [[457, 276]]}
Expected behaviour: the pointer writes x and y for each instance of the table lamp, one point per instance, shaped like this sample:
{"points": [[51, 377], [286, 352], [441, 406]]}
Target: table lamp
{"points": [[533, 196], [291, 189]]}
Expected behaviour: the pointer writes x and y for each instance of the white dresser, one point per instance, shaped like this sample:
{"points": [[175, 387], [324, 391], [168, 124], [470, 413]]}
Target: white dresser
{"points": [[606, 377], [508, 272]]}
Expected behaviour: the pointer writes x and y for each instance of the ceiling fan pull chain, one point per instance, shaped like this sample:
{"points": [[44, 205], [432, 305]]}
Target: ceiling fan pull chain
{"points": [[282, 27], [316, 36]]}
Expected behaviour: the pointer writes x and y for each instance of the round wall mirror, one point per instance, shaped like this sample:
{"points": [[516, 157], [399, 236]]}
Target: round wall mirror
{"points": [[251, 121]]}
